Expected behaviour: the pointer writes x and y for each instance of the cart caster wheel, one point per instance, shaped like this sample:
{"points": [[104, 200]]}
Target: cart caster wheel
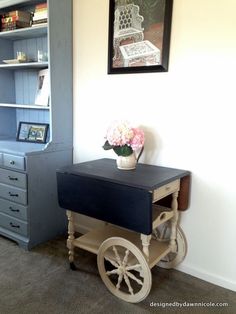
{"points": [[72, 266], [172, 259], [124, 270]]}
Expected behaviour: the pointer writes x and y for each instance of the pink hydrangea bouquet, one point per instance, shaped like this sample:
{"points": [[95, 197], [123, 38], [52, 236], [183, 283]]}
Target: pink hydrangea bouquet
{"points": [[124, 139]]}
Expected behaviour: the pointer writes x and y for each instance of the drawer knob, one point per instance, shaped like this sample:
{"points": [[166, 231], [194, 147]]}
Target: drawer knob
{"points": [[12, 162], [12, 194], [14, 210], [12, 178], [14, 226]]}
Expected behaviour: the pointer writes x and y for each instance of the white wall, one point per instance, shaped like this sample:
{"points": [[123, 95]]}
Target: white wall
{"points": [[187, 115]]}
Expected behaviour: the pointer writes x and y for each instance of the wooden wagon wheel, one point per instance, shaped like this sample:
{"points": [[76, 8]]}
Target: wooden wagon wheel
{"points": [[124, 269], [171, 260]]}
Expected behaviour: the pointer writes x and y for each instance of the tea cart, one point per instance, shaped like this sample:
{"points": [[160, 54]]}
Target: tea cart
{"points": [[140, 208]]}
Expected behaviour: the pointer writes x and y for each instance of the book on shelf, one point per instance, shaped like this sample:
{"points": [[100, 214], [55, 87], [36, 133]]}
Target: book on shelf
{"points": [[41, 10], [17, 13], [41, 6], [42, 92], [40, 16], [39, 22], [15, 18], [14, 25]]}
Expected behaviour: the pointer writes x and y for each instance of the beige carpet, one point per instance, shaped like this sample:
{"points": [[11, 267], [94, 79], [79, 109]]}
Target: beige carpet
{"points": [[40, 282]]}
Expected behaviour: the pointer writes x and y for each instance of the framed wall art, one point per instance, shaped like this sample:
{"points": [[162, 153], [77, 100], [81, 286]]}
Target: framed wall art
{"points": [[139, 36], [32, 132]]}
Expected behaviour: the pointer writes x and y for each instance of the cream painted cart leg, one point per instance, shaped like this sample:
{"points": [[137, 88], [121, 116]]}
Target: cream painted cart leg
{"points": [[71, 238], [172, 233], [145, 242], [174, 221]]}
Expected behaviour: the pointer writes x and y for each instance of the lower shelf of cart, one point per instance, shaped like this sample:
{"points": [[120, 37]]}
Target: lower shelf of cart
{"points": [[92, 240]]}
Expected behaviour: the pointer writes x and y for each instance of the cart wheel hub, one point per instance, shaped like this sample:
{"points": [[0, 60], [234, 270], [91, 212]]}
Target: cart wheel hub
{"points": [[122, 270]]}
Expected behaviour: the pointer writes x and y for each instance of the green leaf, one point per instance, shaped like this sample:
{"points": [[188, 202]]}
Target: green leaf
{"points": [[107, 146], [123, 150]]}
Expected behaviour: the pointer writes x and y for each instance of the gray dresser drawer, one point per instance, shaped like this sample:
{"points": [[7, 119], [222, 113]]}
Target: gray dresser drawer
{"points": [[13, 194], [13, 178], [13, 224], [15, 162], [13, 209]]}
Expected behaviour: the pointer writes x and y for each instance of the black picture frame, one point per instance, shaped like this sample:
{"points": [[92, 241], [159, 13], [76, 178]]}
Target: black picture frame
{"points": [[141, 53], [32, 132]]}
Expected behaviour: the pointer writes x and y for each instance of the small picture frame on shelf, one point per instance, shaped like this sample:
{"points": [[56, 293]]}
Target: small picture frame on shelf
{"points": [[32, 132], [42, 92]]}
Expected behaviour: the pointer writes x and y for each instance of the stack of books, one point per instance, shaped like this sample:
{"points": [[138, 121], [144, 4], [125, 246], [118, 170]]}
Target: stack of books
{"points": [[40, 14], [15, 19]]}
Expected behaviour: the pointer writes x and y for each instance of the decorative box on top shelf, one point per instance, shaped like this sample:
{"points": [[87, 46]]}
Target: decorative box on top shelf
{"points": [[15, 19]]}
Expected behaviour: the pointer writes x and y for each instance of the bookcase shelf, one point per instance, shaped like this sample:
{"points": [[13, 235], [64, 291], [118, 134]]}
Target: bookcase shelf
{"points": [[36, 217], [27, 32], [38, 107], [26, 65]]}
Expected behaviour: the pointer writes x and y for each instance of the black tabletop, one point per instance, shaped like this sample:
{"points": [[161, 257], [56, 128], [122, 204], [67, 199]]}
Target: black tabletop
{"points": [[146, 177]]}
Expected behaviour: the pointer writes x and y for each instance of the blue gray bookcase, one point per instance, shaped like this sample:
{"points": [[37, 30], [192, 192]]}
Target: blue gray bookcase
{"points": [[29, 211]]}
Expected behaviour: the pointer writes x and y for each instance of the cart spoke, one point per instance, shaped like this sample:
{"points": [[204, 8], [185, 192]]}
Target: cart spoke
{"points": [[120, 278], [112, 272], [117, 255], [133, 267], [125, 259], [128, 284], [111, 261], [134, 278]]}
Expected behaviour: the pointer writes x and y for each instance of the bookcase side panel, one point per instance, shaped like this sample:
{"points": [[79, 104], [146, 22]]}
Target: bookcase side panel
{"points": [[45, 216], [60, 66]]}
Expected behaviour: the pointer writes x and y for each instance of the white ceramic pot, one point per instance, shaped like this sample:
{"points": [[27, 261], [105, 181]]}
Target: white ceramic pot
{"points": [[126, 163]]}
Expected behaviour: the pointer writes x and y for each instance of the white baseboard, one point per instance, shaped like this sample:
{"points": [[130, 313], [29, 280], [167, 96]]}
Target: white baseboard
{"points": [[209, 277]]}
